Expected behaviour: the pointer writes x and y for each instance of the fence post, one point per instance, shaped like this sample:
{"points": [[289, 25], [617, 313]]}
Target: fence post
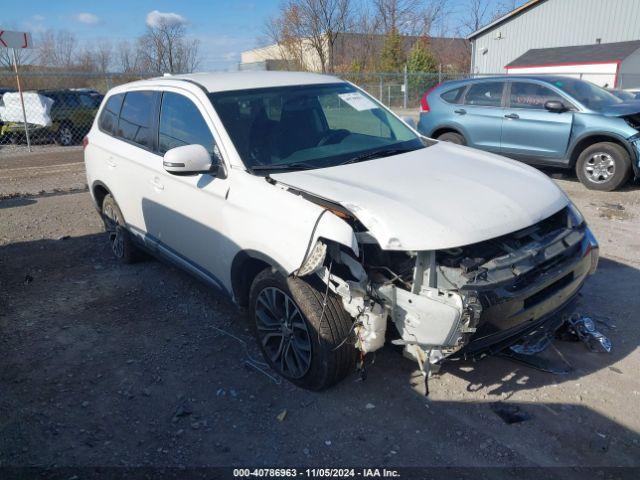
{"points": [[24, 112], [439, 73], [406, 88], [381, 89]]}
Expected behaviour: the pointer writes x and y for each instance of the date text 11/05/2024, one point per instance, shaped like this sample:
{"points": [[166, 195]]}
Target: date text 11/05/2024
{"points": [[316, 473]]}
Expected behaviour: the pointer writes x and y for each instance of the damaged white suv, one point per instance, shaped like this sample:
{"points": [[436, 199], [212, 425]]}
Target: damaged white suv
{"points": [[332, 220]]}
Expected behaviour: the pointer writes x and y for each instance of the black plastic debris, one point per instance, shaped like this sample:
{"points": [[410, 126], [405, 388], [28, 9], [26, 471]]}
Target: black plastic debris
{"points": [[544, 363], [509, 413], [534, 343], [583, 328]]}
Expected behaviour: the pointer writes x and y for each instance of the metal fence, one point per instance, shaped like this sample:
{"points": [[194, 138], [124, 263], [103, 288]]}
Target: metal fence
{"points": [[60, 106]]}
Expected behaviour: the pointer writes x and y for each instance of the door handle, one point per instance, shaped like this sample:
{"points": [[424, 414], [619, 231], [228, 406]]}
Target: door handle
{"points": [[156, 184], [513, 116], [460, 111], [111, 162]]}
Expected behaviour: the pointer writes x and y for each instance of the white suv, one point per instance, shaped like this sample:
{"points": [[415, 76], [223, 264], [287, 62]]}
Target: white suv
{"points": [[307, 201]]}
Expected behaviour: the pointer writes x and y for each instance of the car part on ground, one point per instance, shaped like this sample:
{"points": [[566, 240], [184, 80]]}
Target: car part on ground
{"points": [[582, 328]]}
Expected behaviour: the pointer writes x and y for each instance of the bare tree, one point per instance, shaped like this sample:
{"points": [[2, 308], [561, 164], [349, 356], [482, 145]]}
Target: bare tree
{"points": [[310, 24], [127, 57], [57, 49], [478, 13], [103, 56], [410, 17], [23, 57], [165, 48]]}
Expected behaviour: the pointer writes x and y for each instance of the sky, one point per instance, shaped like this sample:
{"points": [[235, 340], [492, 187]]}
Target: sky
{"points": [[224, 27]]}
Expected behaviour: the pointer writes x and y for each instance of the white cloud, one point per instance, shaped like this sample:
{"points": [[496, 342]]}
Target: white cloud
{"points": [[86, 18], [156, 18]]}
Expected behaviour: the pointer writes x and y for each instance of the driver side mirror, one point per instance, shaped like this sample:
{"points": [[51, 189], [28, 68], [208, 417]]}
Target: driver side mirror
{"points": [[191, 160], [555, 106]]}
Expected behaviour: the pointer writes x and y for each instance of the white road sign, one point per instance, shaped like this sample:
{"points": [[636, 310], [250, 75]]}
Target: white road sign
{"points": [[15, 39]]}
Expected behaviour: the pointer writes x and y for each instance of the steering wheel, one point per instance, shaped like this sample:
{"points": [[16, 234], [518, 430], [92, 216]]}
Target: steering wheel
{"points": [[334, 136]]}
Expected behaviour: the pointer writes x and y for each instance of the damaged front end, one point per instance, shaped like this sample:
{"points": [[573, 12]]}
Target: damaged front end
{"points": [[464, 301]]}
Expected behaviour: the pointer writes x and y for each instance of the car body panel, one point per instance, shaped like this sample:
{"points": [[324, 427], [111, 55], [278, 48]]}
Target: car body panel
{"points": [[420, 201]]}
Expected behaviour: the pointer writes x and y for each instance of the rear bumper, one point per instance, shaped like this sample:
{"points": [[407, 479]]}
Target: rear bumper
{"points": [[508, 312]]}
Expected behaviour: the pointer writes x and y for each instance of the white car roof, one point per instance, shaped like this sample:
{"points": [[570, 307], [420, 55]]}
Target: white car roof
{"points": [[227, 81]]}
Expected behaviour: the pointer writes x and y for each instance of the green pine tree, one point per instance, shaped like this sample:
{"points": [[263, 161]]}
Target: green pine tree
{"points": [[392, 57], [420, 64]]}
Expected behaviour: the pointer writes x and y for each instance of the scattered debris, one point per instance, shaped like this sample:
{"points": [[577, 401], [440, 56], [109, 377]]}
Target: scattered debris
{"points": [[64, 237], [583, 328], [282, 415], [509, 413], [28, 279], [369, 406], [613, 211], [536, 342], [327, 443]]}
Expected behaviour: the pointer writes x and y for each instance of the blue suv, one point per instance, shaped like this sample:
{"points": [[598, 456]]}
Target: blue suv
{"points": [[541, 120]]}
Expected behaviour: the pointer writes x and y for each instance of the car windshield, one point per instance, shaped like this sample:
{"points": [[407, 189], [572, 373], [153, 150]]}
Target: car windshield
{"points": [[310, 126], [588, 94]]}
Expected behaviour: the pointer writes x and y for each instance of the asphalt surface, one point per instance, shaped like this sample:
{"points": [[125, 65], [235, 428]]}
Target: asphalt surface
{"points": [[133, 365]]}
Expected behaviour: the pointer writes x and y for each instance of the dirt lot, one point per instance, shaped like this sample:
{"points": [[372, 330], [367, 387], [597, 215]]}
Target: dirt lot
{"points": [[126, 365]]}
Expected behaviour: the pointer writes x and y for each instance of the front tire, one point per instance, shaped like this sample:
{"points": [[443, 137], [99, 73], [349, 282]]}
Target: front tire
{"points": [[120, 241], [298, 340], [452, 137], [603, 166]]}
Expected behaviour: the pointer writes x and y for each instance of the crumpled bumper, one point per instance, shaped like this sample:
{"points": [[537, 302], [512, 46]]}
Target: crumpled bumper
{"points": [[508, 313]]}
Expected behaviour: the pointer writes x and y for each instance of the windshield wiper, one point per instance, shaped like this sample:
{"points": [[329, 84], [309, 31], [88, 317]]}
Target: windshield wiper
{"points": [[284, 166], [377, 154]]}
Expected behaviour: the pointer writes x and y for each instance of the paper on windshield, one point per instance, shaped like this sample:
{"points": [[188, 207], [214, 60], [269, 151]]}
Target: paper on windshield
{"points": [[358, 101]]}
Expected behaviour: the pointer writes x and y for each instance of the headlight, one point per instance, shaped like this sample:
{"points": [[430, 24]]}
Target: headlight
{"points": [[314, 259], [575, 218]]}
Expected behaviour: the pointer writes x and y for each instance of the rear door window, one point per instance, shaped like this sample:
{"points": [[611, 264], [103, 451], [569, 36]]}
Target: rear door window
{"points": [[485, 94], [135, 121], [532, 95], [181, 123], [108, 121]]}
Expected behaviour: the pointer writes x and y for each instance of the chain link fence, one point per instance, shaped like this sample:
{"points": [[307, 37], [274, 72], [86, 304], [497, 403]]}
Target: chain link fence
{"points": [[60, 106]]}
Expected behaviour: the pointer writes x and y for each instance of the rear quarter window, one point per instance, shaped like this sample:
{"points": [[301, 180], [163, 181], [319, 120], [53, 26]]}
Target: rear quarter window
{"points": [[453, 96], [108, 121]]}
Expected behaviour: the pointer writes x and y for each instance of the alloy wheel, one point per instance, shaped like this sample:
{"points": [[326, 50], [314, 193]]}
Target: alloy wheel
{"points": [[600, 167], [114, 231], [283, 333], [66, 136]]}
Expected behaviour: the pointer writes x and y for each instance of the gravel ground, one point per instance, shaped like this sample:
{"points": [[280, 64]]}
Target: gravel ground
{"points": [[130, 365]]}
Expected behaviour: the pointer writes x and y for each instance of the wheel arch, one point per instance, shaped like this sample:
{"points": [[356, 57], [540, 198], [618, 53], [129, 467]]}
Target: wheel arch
{"points": [[246, 265], [98, 191], [447, 129], [585, 141]]}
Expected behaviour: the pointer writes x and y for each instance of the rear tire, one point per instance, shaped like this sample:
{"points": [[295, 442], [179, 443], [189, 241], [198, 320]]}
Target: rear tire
{"points": [[604, 166], [120, 240], [65, 135], [452, 137], [330, 357]]}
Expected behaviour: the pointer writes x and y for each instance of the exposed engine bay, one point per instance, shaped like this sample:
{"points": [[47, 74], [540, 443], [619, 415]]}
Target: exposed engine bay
{"points": [[460, 301]]}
